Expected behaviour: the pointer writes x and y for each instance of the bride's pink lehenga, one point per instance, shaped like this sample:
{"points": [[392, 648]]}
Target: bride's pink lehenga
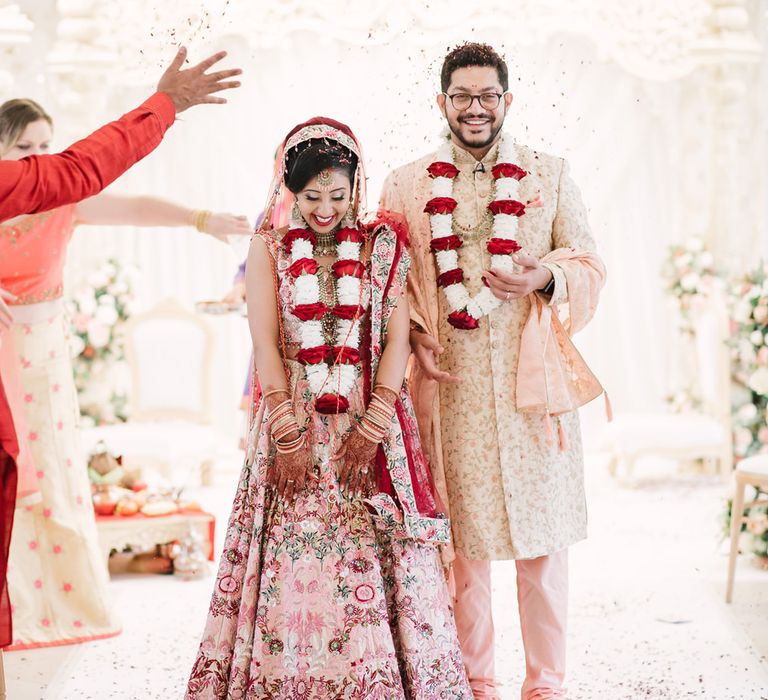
{"points": [[333, 597]]}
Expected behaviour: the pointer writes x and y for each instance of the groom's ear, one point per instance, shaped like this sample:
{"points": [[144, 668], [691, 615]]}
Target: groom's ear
{"points": [[441, 103], [507, 101]]}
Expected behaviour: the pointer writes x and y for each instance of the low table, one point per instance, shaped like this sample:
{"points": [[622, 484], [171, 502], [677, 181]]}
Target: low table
{"points": [[116, 532]]}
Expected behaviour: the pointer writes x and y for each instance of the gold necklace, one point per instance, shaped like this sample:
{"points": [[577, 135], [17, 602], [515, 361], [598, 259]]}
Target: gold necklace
{"points": [[481, 229], [326, 244], [327, 282]]}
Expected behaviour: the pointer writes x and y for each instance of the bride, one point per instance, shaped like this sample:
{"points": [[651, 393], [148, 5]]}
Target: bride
{"points": [[330, 583]]}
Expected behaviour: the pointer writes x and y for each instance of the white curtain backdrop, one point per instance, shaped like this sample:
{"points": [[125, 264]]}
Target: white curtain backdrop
{"points": [[638, 148]]}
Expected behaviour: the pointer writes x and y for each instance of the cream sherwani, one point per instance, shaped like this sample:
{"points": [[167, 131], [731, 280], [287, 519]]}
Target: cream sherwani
{"points": [[512, 494]]}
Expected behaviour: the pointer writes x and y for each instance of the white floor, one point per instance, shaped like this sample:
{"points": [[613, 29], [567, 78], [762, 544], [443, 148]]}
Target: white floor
{"points": [[647, 618]]}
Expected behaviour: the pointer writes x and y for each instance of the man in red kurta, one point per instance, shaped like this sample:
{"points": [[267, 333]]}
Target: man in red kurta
{"points": [[40, 183]]}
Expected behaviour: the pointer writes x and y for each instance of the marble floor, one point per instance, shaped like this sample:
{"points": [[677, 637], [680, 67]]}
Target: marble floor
{"points": [[647, 620]]}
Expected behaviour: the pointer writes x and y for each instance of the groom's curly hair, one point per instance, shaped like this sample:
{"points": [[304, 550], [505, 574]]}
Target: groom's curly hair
{"points": [[473, 54]]}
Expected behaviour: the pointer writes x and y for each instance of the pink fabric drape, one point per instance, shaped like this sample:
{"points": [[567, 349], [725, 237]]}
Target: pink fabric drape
{"points": [[552, 377]]}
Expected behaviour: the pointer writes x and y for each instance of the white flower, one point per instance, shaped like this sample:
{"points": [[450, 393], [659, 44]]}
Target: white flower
{"points": [[507, 188], [348, 250], [98, 279], [316, 376], [98, 334], [706, 259], [348, 332], [758, 381], [107, 300], [447, 260], [301, 248], [690, 282], [76, 345], [86, 302], [307, 289], [442, 187], [118, 288], [756, 338], [505, 225], [503, 263], [457, 296], [107, 315], [441, 225], [747, 412], [311, 334], [348, 290]]}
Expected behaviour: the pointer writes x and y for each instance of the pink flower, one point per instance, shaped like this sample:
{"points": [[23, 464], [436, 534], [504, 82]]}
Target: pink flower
{"points": [[32, 436], [28, 398], [46, 512], [38, 583], [77, 623], [60, 425], [39, 473], [67, 587], [45, 622], [33, 544], [57, 549]]}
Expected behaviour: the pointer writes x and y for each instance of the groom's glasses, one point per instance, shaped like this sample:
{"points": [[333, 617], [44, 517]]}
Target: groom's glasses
{"points": [[462, 101]]}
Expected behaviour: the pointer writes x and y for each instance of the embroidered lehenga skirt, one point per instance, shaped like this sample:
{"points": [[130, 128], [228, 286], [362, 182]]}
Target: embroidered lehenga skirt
{"points": [[323, 599]]}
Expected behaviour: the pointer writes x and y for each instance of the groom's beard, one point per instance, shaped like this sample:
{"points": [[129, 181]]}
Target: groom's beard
{"points": [[476, 140]]}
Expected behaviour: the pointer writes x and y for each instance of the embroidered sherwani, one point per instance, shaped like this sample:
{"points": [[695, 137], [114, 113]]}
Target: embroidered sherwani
{"points": [[511, 492]]}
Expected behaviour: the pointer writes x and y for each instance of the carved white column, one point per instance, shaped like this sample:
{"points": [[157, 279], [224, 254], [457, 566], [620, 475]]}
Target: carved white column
{"points": [[730, 54]]}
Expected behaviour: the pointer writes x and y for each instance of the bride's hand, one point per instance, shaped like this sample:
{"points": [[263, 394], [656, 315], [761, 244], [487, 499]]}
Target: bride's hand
{"points": [[222, 225], [290, 472], [356, 465]]}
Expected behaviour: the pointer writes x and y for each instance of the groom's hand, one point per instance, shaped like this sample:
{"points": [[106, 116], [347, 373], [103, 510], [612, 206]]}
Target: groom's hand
{"points": [[507, 286], [426, 349]]}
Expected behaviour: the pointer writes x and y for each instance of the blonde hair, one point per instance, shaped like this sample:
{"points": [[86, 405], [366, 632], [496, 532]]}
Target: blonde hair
{"points": [[15, 116]]}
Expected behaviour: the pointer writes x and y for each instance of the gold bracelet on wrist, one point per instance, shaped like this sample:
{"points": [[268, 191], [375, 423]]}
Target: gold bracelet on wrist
{"points": [[200, 219]]}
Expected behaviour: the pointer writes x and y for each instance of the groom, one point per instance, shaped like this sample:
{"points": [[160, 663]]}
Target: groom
{"points": [[499, 239]]}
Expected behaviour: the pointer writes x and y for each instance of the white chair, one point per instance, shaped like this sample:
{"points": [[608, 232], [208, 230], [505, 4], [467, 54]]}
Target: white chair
{"points": [[169, 351], [752, 471], [694, 435]]}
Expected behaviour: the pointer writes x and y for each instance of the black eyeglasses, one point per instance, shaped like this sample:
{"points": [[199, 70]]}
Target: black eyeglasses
{"points": [[462, 101]]}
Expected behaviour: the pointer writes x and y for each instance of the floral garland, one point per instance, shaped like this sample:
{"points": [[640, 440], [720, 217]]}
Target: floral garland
{"points": [[467, 310], [331, 371]]}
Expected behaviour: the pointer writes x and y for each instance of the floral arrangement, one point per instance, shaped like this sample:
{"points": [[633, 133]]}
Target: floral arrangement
{"points": [[749, 359], [690, 275], [506, 207], [97, 310], [331, 369]]}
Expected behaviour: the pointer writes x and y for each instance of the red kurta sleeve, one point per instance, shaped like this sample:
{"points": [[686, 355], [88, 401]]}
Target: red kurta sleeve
{"points": [[39, 183]]}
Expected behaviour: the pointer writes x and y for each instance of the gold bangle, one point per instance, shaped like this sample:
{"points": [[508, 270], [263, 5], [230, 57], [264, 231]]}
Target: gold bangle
{"points": [[200, 219], [388, 388], [276, 391]]}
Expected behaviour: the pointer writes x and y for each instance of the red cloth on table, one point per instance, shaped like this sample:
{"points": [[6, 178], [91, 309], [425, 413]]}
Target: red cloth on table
{"points": [[38, 183]]}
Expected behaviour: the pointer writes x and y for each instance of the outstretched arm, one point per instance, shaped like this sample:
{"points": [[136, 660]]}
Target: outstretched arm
{"points": [[39, 183], [113, 210]]}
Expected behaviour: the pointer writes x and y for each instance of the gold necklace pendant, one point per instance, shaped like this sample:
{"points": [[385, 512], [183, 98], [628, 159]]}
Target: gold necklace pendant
{"points": [[326, 244]]}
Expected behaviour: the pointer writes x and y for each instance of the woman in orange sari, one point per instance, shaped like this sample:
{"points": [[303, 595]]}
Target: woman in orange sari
{"points": [[57, 575]]}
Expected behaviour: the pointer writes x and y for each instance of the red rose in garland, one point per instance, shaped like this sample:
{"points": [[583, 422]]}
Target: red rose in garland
{"points": [[440, 205], [507, 206], [442, 169]]}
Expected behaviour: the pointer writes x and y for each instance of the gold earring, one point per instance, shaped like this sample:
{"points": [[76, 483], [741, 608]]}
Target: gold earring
{"points": [[296, 212]]}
